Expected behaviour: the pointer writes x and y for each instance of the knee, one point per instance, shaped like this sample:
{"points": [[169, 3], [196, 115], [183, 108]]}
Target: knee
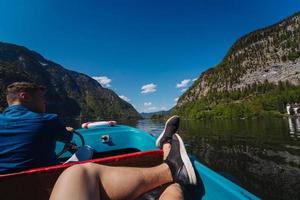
{"points": [[78, 170], [88, 166], [83, 171], [77, 178]]}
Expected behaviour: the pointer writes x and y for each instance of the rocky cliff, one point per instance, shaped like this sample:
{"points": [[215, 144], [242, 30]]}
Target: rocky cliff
{"points": [[270, 54], [69, 93]]}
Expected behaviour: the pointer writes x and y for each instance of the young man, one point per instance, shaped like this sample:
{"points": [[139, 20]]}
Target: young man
{"points": [[28, 134], [99, 182]]}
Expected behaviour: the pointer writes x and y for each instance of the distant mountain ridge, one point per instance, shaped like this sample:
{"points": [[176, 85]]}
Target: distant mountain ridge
{"points": [[149, 115], [69, 93]]}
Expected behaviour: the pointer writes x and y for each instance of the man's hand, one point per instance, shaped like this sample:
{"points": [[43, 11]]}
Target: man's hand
{"points": [[70, 129]]}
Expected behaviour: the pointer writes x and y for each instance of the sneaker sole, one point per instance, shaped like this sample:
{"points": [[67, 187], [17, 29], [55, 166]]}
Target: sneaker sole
{"points": [[163, 132], [187, 162]]}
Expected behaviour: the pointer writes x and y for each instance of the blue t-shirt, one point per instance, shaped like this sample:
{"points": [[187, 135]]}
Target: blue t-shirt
{"points": [[28, 139]]}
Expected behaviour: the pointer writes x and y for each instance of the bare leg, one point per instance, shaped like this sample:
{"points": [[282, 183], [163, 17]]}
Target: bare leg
{"points": [[92, 181], [75, 183], [172, 192], [166, 149]]}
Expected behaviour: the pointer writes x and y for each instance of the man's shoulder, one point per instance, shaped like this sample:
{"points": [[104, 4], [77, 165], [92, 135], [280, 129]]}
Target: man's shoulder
{"points": [[21, 113], [39, 116]]}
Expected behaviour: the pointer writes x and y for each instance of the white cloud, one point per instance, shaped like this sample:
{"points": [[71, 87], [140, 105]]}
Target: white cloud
{"points": [[147, 104], [163, 108], [183, 83], [149, 88], [176, 99], [184, 89], [152, 108], [103, 80], [194, 79], [124, 98]]}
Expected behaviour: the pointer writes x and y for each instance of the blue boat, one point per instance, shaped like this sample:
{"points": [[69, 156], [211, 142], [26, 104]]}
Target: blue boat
{"points": [[117, 145]]}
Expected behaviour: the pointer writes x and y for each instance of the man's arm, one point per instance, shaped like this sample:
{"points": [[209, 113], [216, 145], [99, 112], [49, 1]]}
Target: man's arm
{"points": [[70, 129], [61, 132]]}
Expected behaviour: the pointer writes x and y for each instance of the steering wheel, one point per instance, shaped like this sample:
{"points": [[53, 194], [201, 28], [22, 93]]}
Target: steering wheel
{"points": [[72, 146]]}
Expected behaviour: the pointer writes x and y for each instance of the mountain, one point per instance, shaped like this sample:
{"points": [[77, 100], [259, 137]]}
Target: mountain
{"points": [[256, 65], [158, 113], [69, 93]]}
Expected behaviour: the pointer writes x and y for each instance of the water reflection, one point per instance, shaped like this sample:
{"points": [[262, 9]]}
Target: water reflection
{"points": [[154, 127], [260, 154], [294, 126]]}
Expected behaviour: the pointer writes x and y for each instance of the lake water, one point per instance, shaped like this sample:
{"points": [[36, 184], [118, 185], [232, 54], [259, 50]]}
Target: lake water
{"points": [[261, 155]]}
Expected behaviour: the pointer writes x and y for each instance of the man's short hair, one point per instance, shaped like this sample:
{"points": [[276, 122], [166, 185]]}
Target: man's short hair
{"points": [[13, 90]]}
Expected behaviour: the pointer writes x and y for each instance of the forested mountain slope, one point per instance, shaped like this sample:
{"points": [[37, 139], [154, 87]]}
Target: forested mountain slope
{"points": [[262, 67]]}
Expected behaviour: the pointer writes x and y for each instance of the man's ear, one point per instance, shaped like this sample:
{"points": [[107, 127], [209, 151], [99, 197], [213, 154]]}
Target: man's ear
{"points": [[24, 96]]}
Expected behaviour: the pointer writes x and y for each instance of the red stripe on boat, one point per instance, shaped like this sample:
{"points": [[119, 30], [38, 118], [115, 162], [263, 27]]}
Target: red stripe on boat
{"points": [[97, 160]]}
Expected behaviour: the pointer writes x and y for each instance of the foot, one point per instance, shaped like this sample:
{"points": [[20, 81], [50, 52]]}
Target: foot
{"points": [[170, 129], [179, 163]]}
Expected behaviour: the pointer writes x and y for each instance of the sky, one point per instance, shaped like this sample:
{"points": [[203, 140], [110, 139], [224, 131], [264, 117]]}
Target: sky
{"points": [[147, 51]]}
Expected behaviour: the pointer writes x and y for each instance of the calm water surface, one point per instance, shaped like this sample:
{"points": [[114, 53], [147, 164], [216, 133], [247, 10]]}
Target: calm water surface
{"points": [[261, 155]]}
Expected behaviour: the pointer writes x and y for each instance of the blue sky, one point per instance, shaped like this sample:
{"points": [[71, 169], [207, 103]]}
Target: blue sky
{"points": [[157, 45]]}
